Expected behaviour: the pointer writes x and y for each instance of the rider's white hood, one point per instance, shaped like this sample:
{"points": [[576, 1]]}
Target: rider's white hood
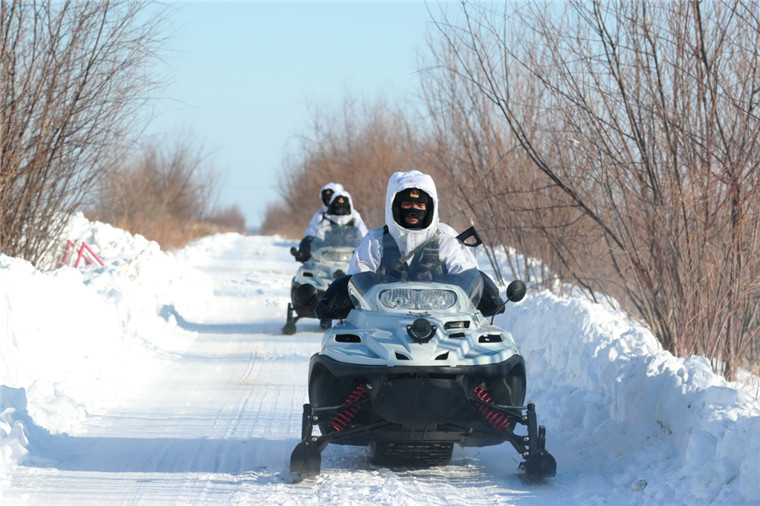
{"points": [[408, 239], [344, 218], [335, 187]]}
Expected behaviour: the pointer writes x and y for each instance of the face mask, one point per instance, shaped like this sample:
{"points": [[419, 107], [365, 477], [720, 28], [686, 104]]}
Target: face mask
{"points": [[419, 214], [341, 210]]}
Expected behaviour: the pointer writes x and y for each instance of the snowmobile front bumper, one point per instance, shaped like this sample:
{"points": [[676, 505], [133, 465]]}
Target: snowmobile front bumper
{"points": [[419, 404], [418, 397]]}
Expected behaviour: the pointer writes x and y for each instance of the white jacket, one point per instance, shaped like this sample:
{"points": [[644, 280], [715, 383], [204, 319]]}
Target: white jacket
{"points": [[311, 229], [326, 219]]}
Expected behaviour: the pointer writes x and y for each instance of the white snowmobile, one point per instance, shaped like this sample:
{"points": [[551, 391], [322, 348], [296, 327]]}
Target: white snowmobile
{"points": [[414, 368], [330, 253]]}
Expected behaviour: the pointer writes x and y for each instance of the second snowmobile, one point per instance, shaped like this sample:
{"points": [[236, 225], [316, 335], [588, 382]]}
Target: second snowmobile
{"points": [[331, 251]]}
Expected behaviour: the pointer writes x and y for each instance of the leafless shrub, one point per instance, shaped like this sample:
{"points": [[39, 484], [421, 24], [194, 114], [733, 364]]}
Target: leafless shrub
{"points": [[637, 129], [359, 146], [163, 193], [73, 76], [497, 190], [229, 218]]}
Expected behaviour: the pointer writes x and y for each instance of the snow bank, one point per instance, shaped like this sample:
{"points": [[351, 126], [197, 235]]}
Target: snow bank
{"points": [[77, 340], [602, 381]]}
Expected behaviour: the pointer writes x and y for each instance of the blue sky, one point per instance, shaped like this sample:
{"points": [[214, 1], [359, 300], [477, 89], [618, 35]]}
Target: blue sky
{"points": [[245, 77]]}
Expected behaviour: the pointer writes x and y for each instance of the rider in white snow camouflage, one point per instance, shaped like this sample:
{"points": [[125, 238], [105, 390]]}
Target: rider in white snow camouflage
{"points": [[325, 196], [412, 245], [411, 218], [328, 216]]}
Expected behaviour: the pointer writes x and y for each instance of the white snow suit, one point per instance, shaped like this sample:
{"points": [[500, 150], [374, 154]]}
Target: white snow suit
{"points": [[327, 220], [454, 256], [311, 229]]}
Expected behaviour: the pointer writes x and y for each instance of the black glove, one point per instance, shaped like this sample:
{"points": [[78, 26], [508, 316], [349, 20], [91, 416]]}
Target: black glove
{"points": [[491, 302], [335, 304], [304, 249]]}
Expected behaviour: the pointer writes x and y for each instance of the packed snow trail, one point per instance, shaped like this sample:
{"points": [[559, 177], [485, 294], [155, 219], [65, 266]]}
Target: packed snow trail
{"points": [[209, 405]]}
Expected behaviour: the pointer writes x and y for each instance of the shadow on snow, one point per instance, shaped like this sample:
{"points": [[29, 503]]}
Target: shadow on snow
{"points": [[168, 312], [146, 455]]}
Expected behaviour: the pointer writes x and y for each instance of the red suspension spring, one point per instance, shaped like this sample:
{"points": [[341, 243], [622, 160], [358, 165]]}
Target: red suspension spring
{"points": [[342, 418], [498, 421]]}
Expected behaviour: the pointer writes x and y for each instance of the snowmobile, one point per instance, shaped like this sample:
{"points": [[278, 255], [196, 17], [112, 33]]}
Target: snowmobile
{"points": [[331, 251], [413, 369]]}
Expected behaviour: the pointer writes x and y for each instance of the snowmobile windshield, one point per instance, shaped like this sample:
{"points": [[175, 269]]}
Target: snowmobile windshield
{"points": [[393, 293], [337, 236]]}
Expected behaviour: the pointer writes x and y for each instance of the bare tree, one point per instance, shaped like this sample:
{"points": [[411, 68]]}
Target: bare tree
{"points": [[641, 119], [359, 145], [229, 218], [73, 77], [482, 157], [164, 191]]}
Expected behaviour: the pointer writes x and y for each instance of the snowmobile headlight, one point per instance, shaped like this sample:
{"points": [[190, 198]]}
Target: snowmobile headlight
{"points": [[417, 299]]}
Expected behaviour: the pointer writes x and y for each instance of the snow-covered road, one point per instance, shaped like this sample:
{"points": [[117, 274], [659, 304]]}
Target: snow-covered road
{"points": [[215, 420], [195, 397]]}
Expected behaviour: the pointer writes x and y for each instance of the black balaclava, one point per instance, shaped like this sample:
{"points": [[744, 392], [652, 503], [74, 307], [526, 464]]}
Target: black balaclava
{"points": [[414, 195], [327, 194], [340, 206]]}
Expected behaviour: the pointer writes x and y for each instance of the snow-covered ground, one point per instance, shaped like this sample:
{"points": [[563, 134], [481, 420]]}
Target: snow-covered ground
{"points": [[163, 378]]}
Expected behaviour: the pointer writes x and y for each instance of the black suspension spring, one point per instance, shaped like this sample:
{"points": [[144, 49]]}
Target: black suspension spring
{"points": [[498, 420], [342, 418]]}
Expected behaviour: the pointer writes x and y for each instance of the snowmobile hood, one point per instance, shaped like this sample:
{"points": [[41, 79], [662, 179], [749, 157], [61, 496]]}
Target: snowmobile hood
{"points": [[335, 187], [345, 218], [408, 239]]}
